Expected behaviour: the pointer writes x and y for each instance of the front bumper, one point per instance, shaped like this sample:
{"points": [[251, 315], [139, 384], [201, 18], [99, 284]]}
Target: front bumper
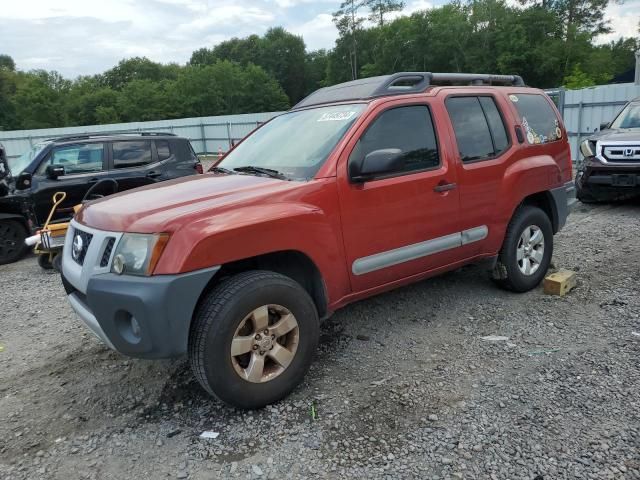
{"points": [[609, 176], [564, 198], [145, 317]]}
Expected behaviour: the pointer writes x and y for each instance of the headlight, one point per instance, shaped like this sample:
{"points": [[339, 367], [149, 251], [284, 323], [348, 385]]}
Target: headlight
{"points": [[138, 254], [588, 148]]}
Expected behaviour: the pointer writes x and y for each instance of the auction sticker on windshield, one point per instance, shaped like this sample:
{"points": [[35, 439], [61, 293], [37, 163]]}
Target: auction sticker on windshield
{"points": [[336, 116]]}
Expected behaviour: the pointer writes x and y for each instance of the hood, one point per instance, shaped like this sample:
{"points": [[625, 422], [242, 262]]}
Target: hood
{"points": [[162, 207], [617, 135]]}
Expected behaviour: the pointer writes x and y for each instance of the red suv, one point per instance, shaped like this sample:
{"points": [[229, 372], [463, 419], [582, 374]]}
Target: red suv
{"points": [[360, 188]]}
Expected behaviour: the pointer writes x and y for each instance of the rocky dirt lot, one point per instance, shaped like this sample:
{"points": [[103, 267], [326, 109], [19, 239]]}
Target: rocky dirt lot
{"points": [[403, 386]]}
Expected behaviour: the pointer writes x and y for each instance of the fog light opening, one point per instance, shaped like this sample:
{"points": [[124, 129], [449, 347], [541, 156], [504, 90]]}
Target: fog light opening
{"points": [[128, 327]]}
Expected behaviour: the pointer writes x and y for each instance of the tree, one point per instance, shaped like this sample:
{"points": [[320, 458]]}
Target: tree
{"points": [[379, 8], [348, 21], [36, 103], [137, 68], [7, 63], [577, 79], [278, 52]]}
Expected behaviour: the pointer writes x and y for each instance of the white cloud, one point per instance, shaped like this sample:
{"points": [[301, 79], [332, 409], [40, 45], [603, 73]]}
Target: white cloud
{"points": [[623, 20], [319, 32], [89, 36]]}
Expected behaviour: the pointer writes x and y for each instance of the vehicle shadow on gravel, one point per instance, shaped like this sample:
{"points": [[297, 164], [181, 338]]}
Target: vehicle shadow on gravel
{"points": [[339, 387]]}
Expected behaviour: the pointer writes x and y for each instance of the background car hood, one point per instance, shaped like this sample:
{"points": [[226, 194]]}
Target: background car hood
{"points": [[162, 207], [617, 135]]}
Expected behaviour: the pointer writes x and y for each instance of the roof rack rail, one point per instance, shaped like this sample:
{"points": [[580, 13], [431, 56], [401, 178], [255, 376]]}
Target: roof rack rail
{"points": [[402, 83], [86, 136]]}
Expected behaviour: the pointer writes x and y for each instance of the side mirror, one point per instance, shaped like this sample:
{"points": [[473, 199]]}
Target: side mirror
{"points": [[23, 181], [604, 126], [55, 171], [377, 162]]}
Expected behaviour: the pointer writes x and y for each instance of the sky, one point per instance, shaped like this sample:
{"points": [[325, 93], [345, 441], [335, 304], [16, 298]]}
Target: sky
{"points": [[84, 37]]}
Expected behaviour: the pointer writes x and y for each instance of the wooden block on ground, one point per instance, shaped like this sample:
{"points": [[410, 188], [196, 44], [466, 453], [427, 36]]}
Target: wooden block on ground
{"points": [[559, 283]]}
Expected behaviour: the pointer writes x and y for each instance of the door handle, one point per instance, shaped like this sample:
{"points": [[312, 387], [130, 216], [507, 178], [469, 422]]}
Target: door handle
{"points": [[153, 174], [444, 187], [93, 180]]}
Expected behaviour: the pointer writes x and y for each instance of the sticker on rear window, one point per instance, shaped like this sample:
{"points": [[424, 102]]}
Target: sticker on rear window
{"points": [[336, 116], [513, 98]]}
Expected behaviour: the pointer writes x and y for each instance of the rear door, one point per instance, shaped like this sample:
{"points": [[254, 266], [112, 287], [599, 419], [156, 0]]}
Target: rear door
{"points": [[134, 163], [483, 144], [84, 164]]}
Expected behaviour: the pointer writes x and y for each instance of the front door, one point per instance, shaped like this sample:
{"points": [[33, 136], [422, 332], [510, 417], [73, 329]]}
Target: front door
{"points": [[84, 164], [405, 222]]}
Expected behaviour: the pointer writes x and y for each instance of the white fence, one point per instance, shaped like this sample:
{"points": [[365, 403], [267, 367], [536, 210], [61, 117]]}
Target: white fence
{"points": [[207, 134], [584, 110]]}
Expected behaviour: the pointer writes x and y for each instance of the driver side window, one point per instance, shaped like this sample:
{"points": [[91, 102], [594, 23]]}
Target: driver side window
{"points": [[408, 129], [76, 159]]}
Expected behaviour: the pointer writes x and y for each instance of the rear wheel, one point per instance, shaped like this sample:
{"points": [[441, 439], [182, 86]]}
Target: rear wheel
{"points": [[12, 237], [526, 252], [253, 338]]}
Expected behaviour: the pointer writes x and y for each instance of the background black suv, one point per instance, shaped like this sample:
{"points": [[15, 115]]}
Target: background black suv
{"points": [[73, 165]]}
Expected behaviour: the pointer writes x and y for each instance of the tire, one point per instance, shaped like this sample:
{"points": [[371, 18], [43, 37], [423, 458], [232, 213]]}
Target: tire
{"points": [[508, 273], [228, 312], [12, 236], [57, 262], [45, 262]]}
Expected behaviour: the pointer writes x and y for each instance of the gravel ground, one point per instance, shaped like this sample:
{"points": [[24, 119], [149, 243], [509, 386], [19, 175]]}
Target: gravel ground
{"points": [[404, 386]]}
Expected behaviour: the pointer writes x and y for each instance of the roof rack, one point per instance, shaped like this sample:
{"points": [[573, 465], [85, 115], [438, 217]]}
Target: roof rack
{"points": [[86, 136], [402, 83]]}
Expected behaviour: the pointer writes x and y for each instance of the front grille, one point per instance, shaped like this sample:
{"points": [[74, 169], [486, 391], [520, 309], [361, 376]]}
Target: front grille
{"points": [[106, 255], [80, 245], [621, 153]]}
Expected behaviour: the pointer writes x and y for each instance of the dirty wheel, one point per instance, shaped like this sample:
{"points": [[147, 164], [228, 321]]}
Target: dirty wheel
{"points": [[526, 251], [57, 262], [12, 236], [44, 260], [253, 338]]}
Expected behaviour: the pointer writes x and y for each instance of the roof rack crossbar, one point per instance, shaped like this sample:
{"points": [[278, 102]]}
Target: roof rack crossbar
{"points": [[402, 83]]}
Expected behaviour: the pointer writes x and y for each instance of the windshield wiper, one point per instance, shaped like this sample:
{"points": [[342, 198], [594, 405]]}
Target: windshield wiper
{"points": [[222, 170], [261, 170]]}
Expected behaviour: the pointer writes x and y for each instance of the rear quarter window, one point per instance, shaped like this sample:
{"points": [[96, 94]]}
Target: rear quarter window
{"points": [[539, 121], [164, 151]]}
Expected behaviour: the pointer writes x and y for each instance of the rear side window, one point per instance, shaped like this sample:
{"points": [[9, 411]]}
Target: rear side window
{"points": [[409, 129], [538, 118], [131, 154], [164, 152], [479, 129]]}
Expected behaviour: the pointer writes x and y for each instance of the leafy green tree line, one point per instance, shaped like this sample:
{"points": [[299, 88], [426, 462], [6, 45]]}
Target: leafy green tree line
{"points": [[549, 42]]}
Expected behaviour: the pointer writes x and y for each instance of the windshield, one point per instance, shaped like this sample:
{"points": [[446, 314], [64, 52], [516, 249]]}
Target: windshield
{"points": [[628, 118], [295, 144], [17, 165]]}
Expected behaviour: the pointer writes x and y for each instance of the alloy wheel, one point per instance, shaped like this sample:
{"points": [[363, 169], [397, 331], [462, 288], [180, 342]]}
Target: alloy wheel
{"points": [[530, 250], [265, 343]]}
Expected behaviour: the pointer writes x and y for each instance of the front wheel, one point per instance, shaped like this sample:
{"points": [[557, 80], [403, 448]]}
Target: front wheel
{"points": [[526, 252], [12, 237], [253, 338]]}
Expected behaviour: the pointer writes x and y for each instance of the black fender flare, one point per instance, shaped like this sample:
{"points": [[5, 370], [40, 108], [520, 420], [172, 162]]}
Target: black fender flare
{"points": [[15, 216]]}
